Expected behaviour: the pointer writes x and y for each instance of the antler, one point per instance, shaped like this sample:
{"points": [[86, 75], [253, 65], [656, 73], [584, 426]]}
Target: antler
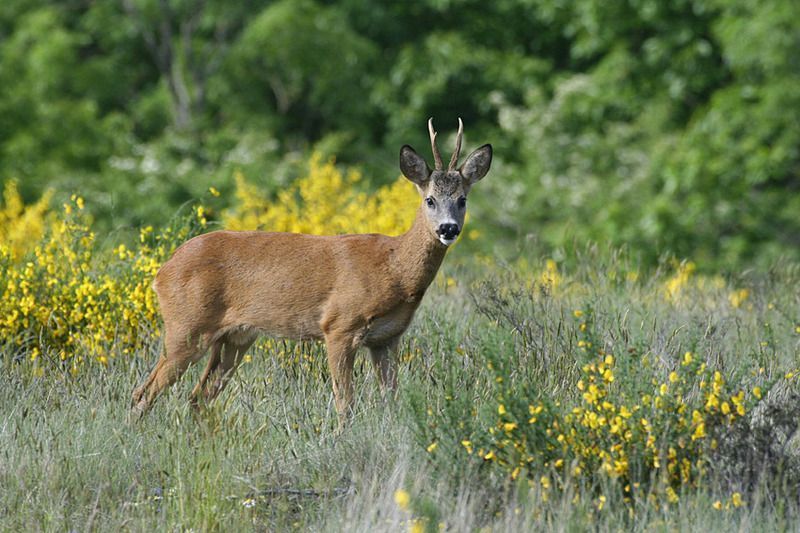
{"points": [[459, 136], [437, 157]]}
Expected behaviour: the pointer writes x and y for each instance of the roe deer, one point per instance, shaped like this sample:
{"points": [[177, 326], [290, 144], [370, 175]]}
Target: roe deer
{"points": [[223, 289]]}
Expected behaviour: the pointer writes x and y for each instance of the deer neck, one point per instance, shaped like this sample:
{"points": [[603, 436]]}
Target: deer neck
{"points": [[417, 258]]}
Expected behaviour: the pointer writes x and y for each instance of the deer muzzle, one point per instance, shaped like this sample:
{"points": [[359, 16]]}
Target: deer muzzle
{"points": [[447, 233]]}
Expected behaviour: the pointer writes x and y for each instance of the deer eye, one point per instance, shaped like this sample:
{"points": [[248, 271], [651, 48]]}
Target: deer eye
{"points": [[430, 203], [462, 202]]}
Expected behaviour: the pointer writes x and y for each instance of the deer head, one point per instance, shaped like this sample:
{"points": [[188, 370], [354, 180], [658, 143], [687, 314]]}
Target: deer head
{"points": [[444, 192]]}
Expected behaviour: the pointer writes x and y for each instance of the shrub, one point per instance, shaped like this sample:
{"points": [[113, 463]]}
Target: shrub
{"points": [[566, 398], [21, 225], [68, 300], [325, 201]]}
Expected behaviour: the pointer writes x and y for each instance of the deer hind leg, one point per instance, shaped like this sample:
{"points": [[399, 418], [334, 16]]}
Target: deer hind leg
{"points": [[385, 364], [229, 353], [174, 361], [213, 363]]}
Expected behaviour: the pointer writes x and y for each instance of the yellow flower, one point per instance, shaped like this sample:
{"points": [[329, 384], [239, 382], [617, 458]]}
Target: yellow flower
{"points": [[687, 358], [550, 277], [467, 445], [736, 499], [214, 192], [673, 377], [416, 526], [577, 313], [717, 505], [501, 409], [432, 447], [757, 392], [738, 297], [601, 501], [509, 427], [402, 498], [672, 496], [699, 431]]}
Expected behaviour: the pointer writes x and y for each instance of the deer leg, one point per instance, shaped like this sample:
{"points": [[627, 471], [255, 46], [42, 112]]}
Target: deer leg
{"points": [[219, 377], [213, 363], [175, 359], [341, 355], [138, 400], [385, 365]]}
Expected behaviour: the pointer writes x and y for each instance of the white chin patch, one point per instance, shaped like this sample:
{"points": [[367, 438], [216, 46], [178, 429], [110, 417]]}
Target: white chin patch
{"points": [[446, 242]]}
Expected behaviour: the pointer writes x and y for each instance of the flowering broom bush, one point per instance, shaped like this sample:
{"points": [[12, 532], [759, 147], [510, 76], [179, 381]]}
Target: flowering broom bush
{"points": [[21, 225], [68, 300], [652, 445], [657, 442], [325, 202]]}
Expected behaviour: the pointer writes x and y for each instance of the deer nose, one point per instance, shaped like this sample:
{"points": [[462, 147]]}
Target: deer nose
{"points": [[448, 231]]}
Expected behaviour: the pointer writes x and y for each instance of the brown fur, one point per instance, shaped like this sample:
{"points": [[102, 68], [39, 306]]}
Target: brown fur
{"points": [[223, 289]]}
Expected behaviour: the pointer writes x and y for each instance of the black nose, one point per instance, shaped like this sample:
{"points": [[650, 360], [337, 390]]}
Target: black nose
{"points": [[448, 231]]}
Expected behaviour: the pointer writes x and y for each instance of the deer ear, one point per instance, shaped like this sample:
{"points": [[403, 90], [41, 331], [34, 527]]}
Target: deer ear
{"points": [[414, 166], [477, 164]]}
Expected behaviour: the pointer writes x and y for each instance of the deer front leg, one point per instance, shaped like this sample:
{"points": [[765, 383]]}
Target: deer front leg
{"points": [[341, 355], [385, 364]]}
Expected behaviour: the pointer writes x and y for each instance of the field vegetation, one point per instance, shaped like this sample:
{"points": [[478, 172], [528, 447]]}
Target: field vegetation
{"points": [[569, 394]]}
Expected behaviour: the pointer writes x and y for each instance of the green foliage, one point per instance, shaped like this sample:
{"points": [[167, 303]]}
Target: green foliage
{"points": [[663, 126], [303, 63]]}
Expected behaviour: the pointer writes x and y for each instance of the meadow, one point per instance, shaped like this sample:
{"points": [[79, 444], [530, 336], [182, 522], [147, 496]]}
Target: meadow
{"points": [[584, 391]]}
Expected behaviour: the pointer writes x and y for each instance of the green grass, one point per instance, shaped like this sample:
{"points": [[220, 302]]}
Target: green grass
{"points": [[266, 455]]}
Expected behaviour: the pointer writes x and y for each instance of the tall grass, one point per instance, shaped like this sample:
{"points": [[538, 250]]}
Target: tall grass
{"points": [[265, 456]]}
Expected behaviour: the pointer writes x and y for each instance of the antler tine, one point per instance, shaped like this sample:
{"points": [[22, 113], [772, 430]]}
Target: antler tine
{"points": [[437, 157], [459, 136]]}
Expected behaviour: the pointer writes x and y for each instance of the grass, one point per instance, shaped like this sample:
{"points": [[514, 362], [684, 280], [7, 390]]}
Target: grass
{"points": [[266, 455]]}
